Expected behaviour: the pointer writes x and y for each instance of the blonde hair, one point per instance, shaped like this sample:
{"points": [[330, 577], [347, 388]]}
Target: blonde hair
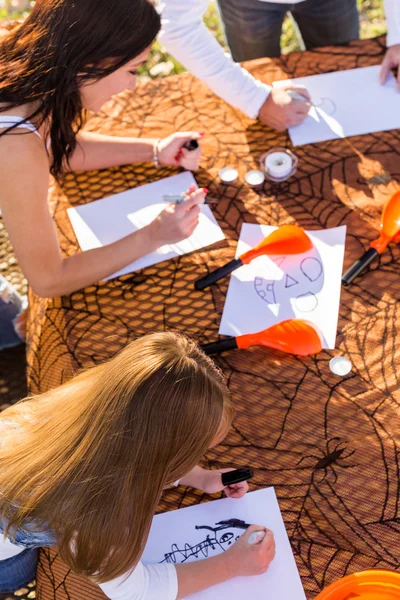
{"points": [[91, 458]]}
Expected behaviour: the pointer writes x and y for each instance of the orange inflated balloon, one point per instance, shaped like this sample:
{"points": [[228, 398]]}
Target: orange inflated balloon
{"points": [[374, 584], [288, 239], [294, 336], [390, 224], [390, 221]]}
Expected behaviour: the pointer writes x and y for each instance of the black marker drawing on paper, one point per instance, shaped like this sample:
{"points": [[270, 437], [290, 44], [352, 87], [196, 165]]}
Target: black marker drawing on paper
{"points": [[300, 283], [220, 537]]}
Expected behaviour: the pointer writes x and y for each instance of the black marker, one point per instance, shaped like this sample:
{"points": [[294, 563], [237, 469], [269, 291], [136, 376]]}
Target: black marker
{"points": [[236, 476], [191, 145]]}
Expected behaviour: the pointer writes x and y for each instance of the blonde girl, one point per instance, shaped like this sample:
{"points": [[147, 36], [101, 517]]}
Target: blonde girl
{"points": [[83, 467]]}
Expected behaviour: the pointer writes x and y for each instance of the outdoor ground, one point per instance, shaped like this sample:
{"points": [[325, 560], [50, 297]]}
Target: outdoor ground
{"points": [[160, 64]]}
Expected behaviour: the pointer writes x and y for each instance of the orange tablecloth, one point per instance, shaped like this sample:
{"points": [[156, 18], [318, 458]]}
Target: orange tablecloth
{"points": [[290, 412]]}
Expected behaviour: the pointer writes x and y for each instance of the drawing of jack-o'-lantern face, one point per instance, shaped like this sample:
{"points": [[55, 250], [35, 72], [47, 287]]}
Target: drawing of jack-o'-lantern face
{"points": [[296, 282]]}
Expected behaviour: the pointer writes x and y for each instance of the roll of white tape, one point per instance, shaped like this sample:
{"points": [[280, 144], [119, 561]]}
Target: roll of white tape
{"points": [[279, 164]]}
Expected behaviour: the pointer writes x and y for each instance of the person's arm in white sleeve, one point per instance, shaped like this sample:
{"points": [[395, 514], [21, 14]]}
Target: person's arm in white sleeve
{"points": [[392, 56], [145, 582], [170, 582], [392, 11], [185, 35]]}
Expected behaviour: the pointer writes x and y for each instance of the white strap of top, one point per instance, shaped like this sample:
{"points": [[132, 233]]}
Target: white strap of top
{"points": [[8, 121]]}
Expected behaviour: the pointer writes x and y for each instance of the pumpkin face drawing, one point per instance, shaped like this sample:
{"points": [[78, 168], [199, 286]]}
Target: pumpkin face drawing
{"points": [[294, 284]]}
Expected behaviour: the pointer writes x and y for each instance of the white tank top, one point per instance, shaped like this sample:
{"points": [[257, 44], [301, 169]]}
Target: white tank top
{"points": [[8, 121]]}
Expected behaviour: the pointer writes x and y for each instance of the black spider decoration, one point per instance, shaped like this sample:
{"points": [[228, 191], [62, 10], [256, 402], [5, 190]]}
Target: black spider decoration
{"points": [[333, 456]]}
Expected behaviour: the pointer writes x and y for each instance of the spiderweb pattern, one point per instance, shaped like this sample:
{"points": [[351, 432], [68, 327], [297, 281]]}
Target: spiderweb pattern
{"points": [[330, 446]]}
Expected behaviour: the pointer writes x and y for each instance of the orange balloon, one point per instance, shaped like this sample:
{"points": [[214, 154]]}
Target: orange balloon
{"points": [[390, 224], [294, 336], [374, 584], [390, 221], [288, 239]]}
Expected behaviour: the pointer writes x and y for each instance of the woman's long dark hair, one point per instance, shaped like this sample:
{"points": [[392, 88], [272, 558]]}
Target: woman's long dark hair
{"points": [[61, 44]]}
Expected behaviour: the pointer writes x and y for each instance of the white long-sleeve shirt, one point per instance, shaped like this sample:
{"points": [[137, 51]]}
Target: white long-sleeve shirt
{"points": [[185, 35], [145, 582]]}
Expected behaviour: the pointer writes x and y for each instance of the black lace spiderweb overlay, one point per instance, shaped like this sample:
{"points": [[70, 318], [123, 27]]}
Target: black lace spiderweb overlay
{"points": [[330, 446]]}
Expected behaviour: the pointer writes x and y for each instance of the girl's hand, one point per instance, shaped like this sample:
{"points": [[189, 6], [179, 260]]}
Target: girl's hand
{"points": [[212, 483], [251, 559], [172, 154], [178, 221]]}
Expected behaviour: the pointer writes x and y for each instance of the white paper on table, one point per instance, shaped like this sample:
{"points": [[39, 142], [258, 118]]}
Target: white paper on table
{"points": [[347, 103], [105, 221], [272, 289], [174, 538]]}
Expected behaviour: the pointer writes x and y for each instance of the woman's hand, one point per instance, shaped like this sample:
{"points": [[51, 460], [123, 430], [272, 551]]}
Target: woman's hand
{"points": [[172, 154], [251, 559], [178, 221]]}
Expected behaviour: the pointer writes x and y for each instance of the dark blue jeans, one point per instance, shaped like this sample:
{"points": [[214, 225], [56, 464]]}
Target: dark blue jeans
{"points": [[253, 27], [17, 571]]}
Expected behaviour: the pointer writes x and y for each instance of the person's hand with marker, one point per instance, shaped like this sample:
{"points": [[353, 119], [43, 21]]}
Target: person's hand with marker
{"points": [[391, 61], [281, 110], [178, 221], [249, 558], [211, 482], [173, 153]]}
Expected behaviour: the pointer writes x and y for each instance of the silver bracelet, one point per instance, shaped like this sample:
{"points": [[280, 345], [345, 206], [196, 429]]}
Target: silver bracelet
{"points": [[155, 153]]}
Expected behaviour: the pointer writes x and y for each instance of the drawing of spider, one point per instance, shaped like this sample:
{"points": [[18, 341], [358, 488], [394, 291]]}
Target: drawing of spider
{"points": [[335, 454]]}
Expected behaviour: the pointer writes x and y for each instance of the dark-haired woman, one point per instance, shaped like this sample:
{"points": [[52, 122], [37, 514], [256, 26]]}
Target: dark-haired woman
{"points": [[83, 467], [66, 57]]}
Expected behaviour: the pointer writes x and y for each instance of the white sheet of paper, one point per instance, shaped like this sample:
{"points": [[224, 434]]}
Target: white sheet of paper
{"points": [[347, 103], [272, 289], [174, 538], [105, 221]]}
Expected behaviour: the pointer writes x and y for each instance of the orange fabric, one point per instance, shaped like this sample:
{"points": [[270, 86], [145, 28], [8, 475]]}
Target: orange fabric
{"points": [[330, 446]]}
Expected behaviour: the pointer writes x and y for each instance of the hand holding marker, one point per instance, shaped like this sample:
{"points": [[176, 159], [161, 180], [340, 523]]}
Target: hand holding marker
{"points": [[256, 537], [288, 239]]}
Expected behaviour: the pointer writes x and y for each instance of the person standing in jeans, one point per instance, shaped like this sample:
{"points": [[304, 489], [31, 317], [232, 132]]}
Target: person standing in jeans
{"points": [[253, 29]]}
